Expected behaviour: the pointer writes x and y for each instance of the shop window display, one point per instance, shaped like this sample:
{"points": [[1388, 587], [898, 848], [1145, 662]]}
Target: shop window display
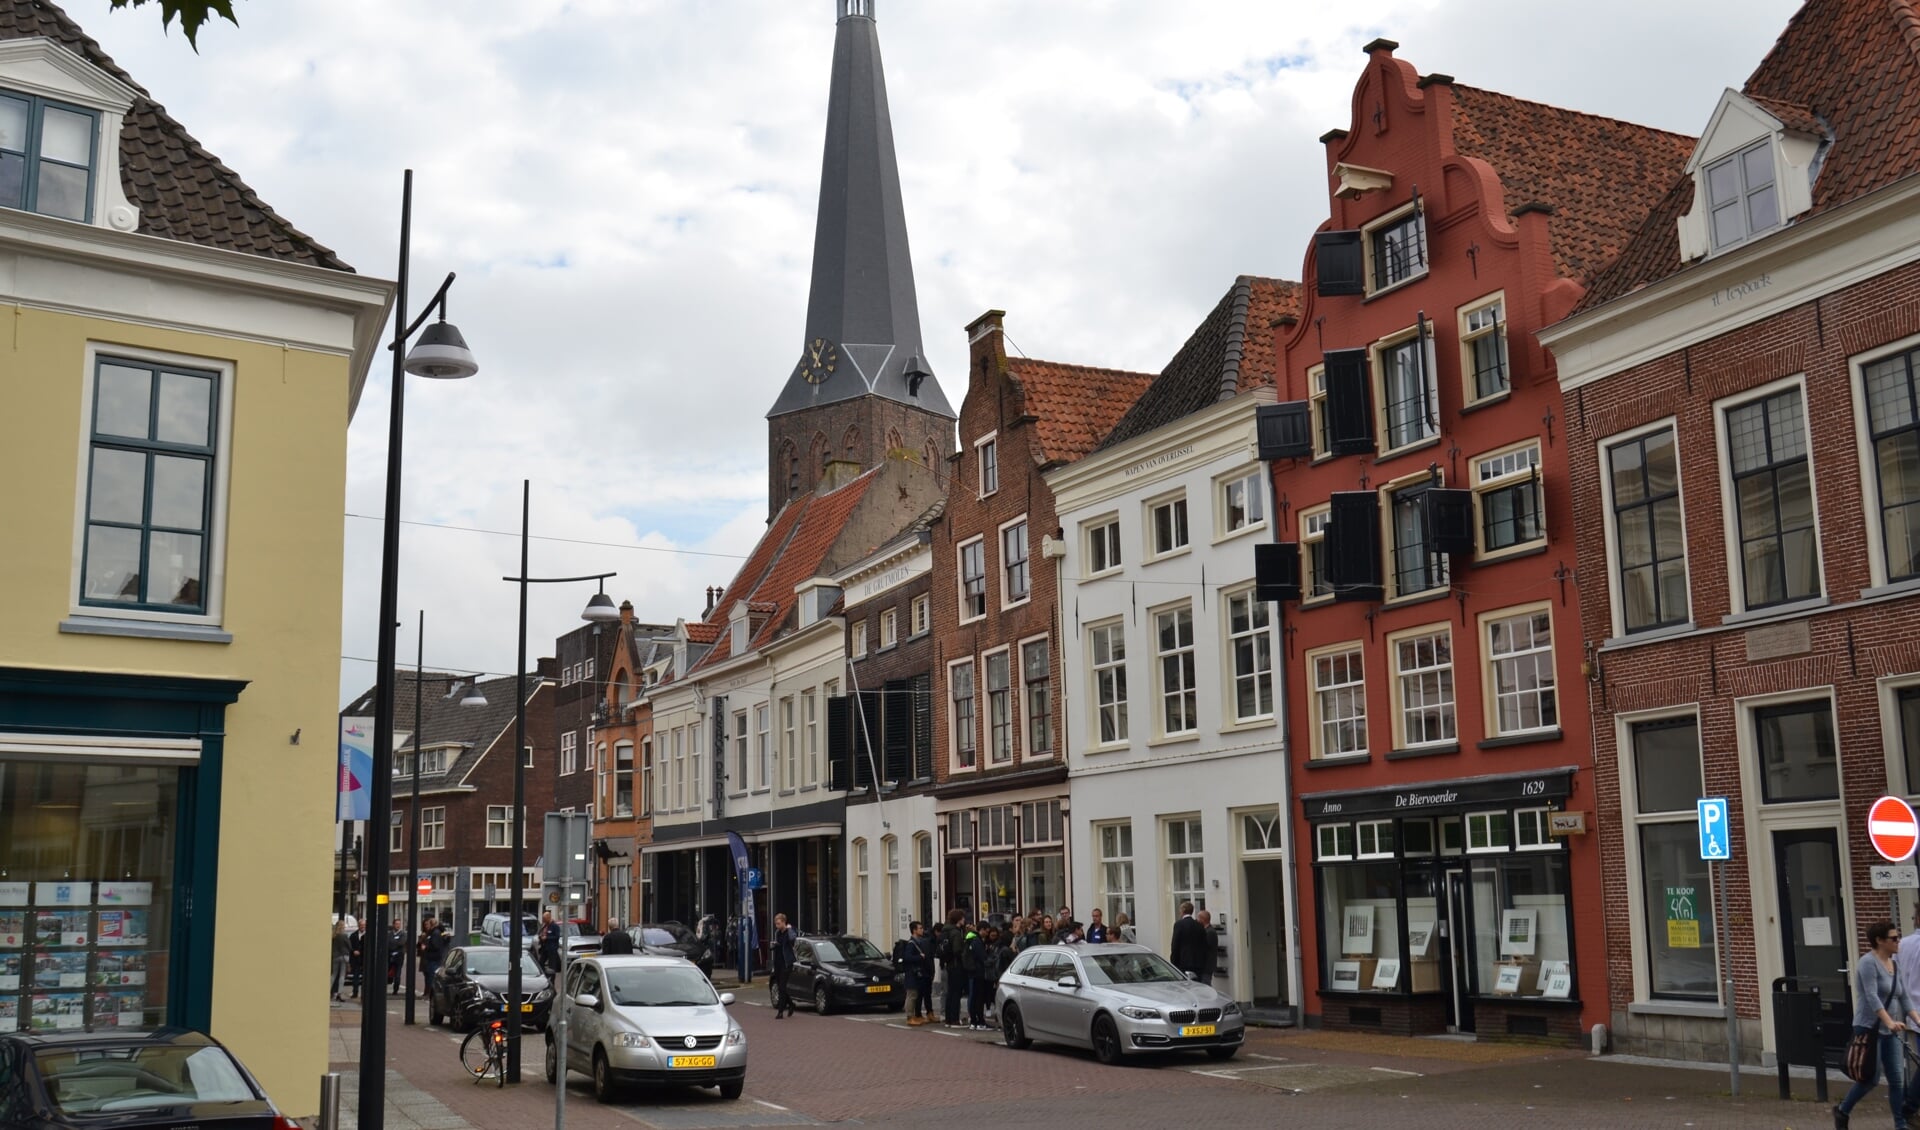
{"points": [[1521, 927], [1360, 922]]}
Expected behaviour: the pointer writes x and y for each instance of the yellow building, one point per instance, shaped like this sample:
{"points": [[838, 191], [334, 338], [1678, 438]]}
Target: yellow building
{"points": [[178, 365]]}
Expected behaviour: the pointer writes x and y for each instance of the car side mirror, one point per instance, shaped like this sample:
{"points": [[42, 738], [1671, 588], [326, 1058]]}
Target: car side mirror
{"points": [[726, 998], [1068, 981], [587, 1000], [1191, 975]]}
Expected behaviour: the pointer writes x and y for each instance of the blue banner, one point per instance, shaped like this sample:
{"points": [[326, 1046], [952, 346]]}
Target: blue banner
{"points": [[355, 799], [738, 848]]}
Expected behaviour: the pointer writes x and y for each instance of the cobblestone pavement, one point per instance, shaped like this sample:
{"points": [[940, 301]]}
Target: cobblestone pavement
{"points": [[873, 1069]]}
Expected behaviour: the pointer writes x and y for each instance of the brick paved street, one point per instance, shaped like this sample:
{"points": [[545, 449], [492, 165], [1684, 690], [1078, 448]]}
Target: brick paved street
{"points": [[809, 1070]]}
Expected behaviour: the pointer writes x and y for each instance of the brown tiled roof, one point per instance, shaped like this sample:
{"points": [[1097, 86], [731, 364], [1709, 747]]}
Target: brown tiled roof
{"points": [[1074, 405], [183, 192], [1600, 175], [698, 632], [1234, 349], [1848, 69]]}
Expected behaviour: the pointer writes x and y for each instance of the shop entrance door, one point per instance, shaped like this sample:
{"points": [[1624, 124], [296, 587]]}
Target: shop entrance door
{"points": [[1815, 945], [1266, 923], [1458, 982]]}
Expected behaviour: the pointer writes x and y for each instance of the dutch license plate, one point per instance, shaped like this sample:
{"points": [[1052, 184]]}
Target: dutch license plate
{"points": [[528, 1007], [1197, 1030], [691, 1061], [879, 988]]}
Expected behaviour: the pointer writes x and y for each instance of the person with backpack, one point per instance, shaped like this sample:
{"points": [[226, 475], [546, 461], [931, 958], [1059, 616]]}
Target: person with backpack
{"points": [[973, 967], [911, 958], [947, 950], [999, 955]]}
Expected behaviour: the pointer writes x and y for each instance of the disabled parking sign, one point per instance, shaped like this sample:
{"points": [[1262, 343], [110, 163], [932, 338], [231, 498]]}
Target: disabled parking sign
{"points": [[1716, 839]]}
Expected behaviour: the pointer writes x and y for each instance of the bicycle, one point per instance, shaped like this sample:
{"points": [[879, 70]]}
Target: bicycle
{"points": [[484, 1051]]}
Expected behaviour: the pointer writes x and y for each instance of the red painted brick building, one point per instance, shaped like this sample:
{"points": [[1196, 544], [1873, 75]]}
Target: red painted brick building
{"points": [[1741, 414], [1438, 712]]}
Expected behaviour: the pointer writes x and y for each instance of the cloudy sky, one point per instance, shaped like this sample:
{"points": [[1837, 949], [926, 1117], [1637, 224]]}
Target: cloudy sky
{"points": [[627, 188]]}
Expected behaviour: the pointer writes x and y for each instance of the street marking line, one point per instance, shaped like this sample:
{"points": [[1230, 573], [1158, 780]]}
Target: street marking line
{"points": [[1274, 1058], [1397, 1071], [772, 1106]]}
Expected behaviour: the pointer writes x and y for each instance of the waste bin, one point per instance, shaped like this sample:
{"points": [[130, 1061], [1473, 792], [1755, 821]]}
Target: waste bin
{"points": [[1797, 1036]]}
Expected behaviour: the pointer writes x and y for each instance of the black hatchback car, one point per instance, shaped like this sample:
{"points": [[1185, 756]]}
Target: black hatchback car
{"points": [[670, 939], [472, 985], [844, 972], [128, 1079]]}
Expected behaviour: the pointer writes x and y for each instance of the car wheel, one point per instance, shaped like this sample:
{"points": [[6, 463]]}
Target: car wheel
{"points": [[1012, 1029], [553, 1061], [731, 1091], [605, 1090], [1106, 1040], [1222, 1053], [822, 999]]}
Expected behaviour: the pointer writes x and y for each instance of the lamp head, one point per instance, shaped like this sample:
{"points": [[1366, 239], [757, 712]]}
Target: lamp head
{"points": [[441, 353], [600, 609], [473, 697]]}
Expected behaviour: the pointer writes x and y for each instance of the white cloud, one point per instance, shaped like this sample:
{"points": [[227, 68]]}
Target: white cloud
{"points": [[626, 190]]}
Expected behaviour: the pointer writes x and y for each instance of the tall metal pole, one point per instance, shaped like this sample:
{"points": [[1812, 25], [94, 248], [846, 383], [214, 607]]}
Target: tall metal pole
{"points": [[558, 1012], [373, 977], [413, 818], [1726, 965], [518, 878]]}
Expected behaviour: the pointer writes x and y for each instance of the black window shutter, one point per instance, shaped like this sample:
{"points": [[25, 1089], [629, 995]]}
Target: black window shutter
{"points": [[921, 687], [1449, 520], [1353, 546], [1276, 571], [839, 743], [897, 765], [1337, 255], [1349, 401], [1285, 431], [866, 738]]}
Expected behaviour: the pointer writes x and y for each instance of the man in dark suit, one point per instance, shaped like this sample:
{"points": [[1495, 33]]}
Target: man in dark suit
{"points": [[1190, 943], [615, 940], [1209, 953]]}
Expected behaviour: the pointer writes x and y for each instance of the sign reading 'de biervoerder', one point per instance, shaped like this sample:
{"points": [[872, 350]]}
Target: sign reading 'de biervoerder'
{"points": [[1515, 788]]}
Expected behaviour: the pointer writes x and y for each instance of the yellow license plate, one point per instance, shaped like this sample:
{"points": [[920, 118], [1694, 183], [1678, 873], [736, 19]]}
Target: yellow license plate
{"points": [[691, 1061], [1197, 1030], [526, 1008], [879, 988]]}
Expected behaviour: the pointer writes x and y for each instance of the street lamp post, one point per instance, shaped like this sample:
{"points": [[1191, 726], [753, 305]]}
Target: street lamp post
{"points": [[441, 353], [599, 610], [413, 815]]}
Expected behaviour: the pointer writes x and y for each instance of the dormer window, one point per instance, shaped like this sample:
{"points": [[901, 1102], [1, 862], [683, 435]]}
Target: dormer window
{"points": [[1740, 195], [46, 156]]}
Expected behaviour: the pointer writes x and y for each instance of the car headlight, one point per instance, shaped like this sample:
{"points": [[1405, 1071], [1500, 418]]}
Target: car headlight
{"points": [[1232, 1009], [843, 979], [545, 994], [629, 1040], [736, 1038], [1137, 1012], [489, 997]]}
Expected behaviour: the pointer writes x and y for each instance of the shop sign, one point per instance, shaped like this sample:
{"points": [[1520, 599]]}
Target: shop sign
{"points": [[1566, 823], [1449, 796], [1683, 918]]}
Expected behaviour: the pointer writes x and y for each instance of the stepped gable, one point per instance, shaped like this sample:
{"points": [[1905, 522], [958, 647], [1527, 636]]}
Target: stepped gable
{"points": [[1233, 349], [183, 192]]}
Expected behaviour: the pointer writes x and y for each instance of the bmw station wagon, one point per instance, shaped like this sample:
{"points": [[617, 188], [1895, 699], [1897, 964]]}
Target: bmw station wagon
{"points": [[1116, 1000]]}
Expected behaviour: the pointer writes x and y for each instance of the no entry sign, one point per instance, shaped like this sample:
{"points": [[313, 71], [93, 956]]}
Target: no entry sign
{"points": [[1892, 828]]}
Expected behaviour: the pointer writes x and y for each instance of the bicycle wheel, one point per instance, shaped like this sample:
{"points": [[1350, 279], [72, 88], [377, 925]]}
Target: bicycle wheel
{"points": [[476, 1053], [773, 990]]}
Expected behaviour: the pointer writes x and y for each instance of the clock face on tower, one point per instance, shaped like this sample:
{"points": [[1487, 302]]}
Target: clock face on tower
{"points": [[818, 361]]}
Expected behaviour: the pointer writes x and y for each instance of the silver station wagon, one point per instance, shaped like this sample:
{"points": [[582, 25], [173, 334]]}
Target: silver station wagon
{"points": [[1117, 1000]]}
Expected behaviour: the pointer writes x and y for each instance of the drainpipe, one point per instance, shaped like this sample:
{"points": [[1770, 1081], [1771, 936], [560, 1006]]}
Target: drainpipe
{"points": [[1296, 979]]}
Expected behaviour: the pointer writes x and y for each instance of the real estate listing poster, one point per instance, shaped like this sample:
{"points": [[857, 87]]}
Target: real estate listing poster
{"points": [[64, 970], [62, 928], [53, 1011], [123, 928], [9, 972], [13, 928]]}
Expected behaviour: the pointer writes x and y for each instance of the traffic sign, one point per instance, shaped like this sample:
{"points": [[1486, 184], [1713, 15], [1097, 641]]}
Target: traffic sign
{"points": [[1894, 876], [1716, 839], [1892, 828], [426, 887]]}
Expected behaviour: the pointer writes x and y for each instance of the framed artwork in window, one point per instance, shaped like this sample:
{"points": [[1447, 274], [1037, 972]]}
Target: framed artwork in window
{"points": [[1419, 938], [1356, 936], [1507, 979], [1560, 985], [1547, 970], [1386, 973], [1517, 933], [1346, 976]]}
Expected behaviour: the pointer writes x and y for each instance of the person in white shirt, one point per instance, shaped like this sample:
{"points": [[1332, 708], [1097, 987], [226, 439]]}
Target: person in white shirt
{"points": [[1909, 958]]}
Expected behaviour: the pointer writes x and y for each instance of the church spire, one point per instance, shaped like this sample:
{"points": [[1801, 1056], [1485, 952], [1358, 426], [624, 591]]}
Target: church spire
{"points": [[863, 320]]}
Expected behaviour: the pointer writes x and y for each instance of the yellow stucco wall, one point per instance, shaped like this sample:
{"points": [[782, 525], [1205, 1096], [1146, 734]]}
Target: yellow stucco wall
{"points": [[287, 473]]}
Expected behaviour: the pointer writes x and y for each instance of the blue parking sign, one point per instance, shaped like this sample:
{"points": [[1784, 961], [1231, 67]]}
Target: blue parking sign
{"points": [[1716, 840]]}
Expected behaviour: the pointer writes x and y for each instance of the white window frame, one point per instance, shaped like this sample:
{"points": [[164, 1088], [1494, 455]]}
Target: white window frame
{"points": [[1483, 820], [1874, 500], [1028, 749], [741, 763], [613, 802], [1373, 839], [433, 828], [1394, 219], [789, 744], [1471, 334], [967, 600], [1317, 412], [1008, 598], [1115, 632], [1177, 892], [569, 753], [921, 615], [1382, 421], [1328, 842], [1743, 195], [1397, 686], [1180, 525], [500, 825], [1260, 628], [889, 628], [986, 458], [1610, 521], [970, 729], [1317, 705], [763, 746], [1117, 874], [1537, 819], [1165, 693], [1490, 663], [1313, 532], [1730, 518], [1500, 470], [1103, 532], [810, 710], [1252, 485], [1390, 565], [859, 646], [989, 725]]}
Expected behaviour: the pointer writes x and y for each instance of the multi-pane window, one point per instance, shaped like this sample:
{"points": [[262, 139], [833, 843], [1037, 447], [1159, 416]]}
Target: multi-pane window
{"points": [[1251, 645], [1893, 421], [1483, 344], [811, 703], [1416, 567], [1167, 523], [740, 757], [763, 746], [1109, 648], [653, 776], [46, 156], [789, 745], [1035, 677], [1773, 492], [973, 580], [1741, 201], [149, 486], [1674, 884], [989, 467], [396, 827], [1410, 398], [1520, 654], [1242, 505], [623, 779], [569, 753], [678, 764], [1317, 410], [1798, 758], [433, 828], [1313, 554], [889, 628], [1013, 562], [1103, 546], [1340, 703], [1423, 684], [1186, 866], [999, 707], [1116, 870], [921, 612], [1173, 651], [1041, 822], [1398, 250], [1645, 474], [960, 683], [499, 825], [1507, 493], [859, 645]]}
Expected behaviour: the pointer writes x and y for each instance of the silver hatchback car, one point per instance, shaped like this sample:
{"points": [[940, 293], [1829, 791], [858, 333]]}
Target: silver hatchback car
{"points": [[652, 1021], [1118, 1000]]}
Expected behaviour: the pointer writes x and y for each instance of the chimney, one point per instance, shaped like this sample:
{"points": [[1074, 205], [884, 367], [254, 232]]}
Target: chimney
{"points": [[838, 473], [547, 667], [626, 613], [708, 610], [986, 347]]}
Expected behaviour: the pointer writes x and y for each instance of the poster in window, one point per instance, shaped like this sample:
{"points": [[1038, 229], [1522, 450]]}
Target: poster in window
{"points": [[13, 929], [1517, 933], [61, 927], [1560, 985], [1386, 974], [133, 968], [123, 927], [13, 894], [60, 970], [54, 1011], [1507, 979], [1547, 970], [62, 894], [9, 1014], [1419, 938], [1357, 933], [126, 894], [132, 1009], [1346, 976], [9, 974]]}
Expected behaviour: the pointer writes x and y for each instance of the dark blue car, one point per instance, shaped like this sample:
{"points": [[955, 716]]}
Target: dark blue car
{"points": [[128, 1079]]}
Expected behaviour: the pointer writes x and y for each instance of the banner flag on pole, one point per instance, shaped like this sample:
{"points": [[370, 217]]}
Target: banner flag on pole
{"points": [[355, 800]]}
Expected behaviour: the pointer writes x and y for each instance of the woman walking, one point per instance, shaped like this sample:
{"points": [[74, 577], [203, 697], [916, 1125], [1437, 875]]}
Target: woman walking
{"points": [[342, 949], [1880, 1011]]}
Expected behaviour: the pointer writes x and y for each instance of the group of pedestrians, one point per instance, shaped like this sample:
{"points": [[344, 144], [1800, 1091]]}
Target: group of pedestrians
{"points": [[967, 957], [349, 952]]}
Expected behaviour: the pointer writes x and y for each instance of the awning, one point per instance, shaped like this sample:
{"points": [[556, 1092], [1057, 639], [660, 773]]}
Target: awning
{"points": [[764, 836]]}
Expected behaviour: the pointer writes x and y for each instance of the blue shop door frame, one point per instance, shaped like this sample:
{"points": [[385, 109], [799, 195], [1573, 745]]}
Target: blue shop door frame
{"points": [[92, 704]]}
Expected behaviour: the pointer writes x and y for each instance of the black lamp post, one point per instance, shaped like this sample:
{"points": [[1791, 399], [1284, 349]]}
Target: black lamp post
{"points": [[441, 353], [599, 610]]}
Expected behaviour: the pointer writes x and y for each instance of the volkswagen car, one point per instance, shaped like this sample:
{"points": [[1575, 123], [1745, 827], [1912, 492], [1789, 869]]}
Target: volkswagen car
{"points": [[128, 1079], [1115, 1000], [472, 985], [837, 972], [642, 1020]]}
